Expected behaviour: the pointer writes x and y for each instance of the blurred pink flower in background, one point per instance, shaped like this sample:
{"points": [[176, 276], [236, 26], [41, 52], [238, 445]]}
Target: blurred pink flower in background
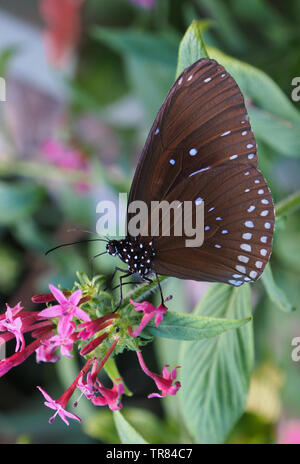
{"points": [[66, 157], [148, 4], [63, 27], [289, 432], [63, 155]]}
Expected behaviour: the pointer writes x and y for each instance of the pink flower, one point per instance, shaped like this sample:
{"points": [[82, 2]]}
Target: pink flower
{"points": [[63, 155], [150, 311], [164, 382], [66, 309], [62, 340], [17, 358], [92, 327], [46, 353], [92, 345], [87, 388], [13, 325], [98, 394], [289, 432], [59, 406], [147, 4], [62, 18], [110, 396]]}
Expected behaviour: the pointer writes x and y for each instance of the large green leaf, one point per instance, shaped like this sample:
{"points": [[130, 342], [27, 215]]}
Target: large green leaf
{"points": [[192, 46], [288, 205], [128, 435], [281, 135], [216, 372], [183, 326], [147, 47], [275, 293], [18, 201], [258, 86], [226, 28], [150, 61]]}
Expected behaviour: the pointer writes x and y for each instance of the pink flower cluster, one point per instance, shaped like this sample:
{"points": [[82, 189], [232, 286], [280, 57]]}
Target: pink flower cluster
{"points": [[56, 328]]}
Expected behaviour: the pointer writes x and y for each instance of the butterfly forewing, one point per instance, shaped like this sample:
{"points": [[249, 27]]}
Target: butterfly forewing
{"points": [[202, 123]]}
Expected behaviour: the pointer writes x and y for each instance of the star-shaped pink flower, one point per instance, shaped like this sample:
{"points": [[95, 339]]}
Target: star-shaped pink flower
{"points": [[66, 309], [64, 340], [164, 382], [14, 325], [150, 312], [109, 396], [59, 406]]}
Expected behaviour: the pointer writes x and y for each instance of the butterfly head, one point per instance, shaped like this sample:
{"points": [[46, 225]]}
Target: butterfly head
{"points": [[112, 247]]}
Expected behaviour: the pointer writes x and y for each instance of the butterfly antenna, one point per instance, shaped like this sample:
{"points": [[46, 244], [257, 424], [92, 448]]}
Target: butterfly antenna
{"points": [[75, 243], [86, 231]]}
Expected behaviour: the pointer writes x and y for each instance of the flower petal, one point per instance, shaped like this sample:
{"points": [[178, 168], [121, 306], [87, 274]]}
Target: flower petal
{"points": [[58, 294]]}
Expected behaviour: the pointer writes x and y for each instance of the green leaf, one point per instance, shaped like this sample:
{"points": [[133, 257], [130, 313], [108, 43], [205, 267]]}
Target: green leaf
{"points": [[226, 28], [181, 326], [192, 46], [150, 61], [6, 56], [18, 201], [275, 293], [216, 373], [258, 86], [149, 82], [147, 47], [281, 135], [288, 205], [128, 435]]}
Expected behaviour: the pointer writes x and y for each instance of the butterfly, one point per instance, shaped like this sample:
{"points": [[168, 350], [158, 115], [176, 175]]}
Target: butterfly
{"points": [[201, 146]]}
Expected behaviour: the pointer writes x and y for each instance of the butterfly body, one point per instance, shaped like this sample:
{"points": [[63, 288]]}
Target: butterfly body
{"points": [[137, 254]]}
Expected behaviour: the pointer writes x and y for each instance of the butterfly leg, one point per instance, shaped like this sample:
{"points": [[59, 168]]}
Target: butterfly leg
{"points": [[127, 274], [113, 275]]}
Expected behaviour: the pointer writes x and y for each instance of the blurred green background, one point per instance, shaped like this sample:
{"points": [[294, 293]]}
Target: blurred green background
{"points": [[80, 99]]}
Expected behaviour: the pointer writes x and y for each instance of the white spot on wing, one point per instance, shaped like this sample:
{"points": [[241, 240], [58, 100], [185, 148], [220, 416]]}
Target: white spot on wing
{"points": [[225, 133], [243, 259], [193, 151], [245, 247]]}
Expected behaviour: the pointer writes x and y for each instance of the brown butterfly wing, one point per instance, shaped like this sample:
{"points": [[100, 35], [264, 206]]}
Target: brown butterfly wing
{"points": [[204, 111], [239, 223], [201, 145]]}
